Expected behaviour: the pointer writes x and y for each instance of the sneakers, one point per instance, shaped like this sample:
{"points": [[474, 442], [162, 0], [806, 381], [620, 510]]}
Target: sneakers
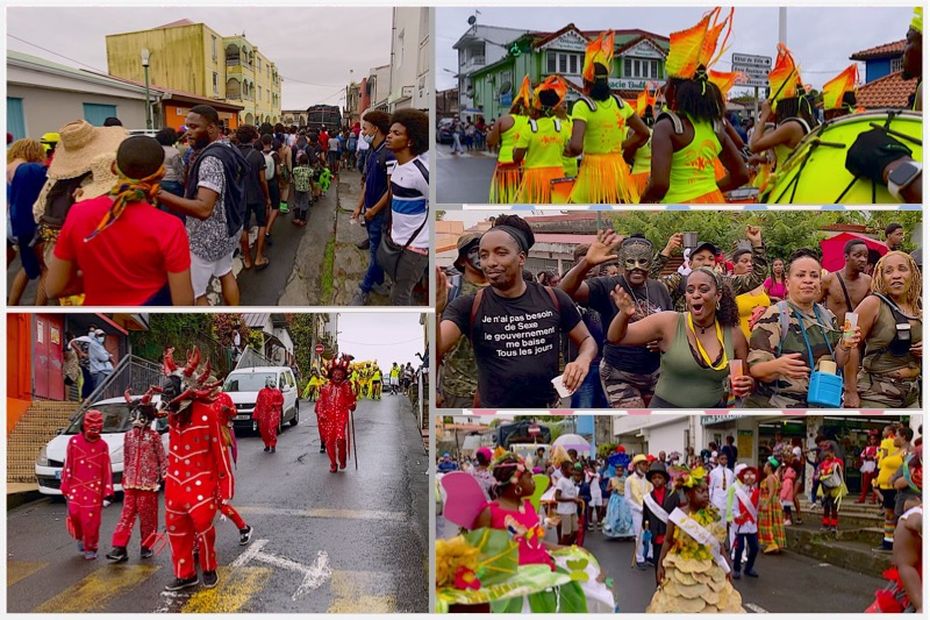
{"points": [[322, 448], [117, 555], [359, 299], [210, 579], [245, 535], [751, 573], [736, 575], [146, 553], [183, 584], [273, 450], [787, 522], [267, 448], [90, 555], [641, 565]]}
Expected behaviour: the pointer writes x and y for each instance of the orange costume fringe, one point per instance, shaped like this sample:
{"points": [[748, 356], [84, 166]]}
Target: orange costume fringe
{"points": [[505, 183], [536, 187], [604, 179]]}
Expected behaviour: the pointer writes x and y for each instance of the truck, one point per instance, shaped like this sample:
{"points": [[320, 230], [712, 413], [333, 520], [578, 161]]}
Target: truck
{"points": [[327, 115]]}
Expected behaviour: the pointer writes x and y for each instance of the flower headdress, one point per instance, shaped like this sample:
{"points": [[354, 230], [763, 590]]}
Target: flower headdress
{"points": [[684, 478], [553, 83], [524, 93]]}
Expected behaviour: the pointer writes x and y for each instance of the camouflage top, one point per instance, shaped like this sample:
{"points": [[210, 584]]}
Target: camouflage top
{"points": [[740, 284], [766, 340], [459, 369]]}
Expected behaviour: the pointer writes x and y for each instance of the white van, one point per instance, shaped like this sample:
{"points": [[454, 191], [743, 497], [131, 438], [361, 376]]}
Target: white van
{"points": [[243, 386], [116, 421]]}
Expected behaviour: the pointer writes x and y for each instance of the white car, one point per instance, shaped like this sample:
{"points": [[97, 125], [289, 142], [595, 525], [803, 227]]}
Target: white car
{"points": [[243, 385], [116, 421]]}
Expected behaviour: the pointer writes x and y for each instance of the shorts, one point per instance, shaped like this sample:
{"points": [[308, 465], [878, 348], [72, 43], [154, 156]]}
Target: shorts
{"points": [[260, 216], [202, 270], [569, 523], [888, 497]]}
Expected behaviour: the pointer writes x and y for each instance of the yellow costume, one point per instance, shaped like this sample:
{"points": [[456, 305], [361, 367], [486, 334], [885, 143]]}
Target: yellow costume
{"points": [[507, 174], [544, 142], [746, 303]]}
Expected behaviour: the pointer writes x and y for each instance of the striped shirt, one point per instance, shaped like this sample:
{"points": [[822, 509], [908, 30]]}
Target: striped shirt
{"points": [[410, 202]]}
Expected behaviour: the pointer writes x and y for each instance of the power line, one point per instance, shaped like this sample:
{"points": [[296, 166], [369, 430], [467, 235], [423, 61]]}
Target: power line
{"points": [[45, 49]]}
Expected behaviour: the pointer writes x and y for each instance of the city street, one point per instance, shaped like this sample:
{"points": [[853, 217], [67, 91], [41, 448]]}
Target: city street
{"points": [[463, 178], [787, 583], [350, 542]]}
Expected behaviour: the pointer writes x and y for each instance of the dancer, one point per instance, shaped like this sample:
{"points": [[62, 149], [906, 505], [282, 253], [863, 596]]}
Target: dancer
{"points": [[196, 453], [771, 522], [312, 391], [743, 513], [506, 131], [144, 467], [693, 571], [337, 401], [540, 146], [226, 411], [657, 506], [87, 482], [268, 413]]}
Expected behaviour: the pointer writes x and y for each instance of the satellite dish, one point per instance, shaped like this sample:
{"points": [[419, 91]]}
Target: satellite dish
{"points": [[471, 20], [505, 87]]}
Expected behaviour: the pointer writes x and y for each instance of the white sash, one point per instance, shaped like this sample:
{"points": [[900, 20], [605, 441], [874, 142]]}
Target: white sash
{"points": [[656, 509], [746, 502], [701, 535]]}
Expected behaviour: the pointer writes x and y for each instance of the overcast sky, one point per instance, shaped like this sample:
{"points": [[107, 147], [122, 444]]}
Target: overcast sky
{"points": [[821, 39], [314, 48], [384, 336]]}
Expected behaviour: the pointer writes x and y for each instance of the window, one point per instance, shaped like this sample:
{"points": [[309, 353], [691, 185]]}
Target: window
{"points": [[96, 113], [216, 83], [213, 37], [15, 120], [897, 64], [563, 62], [640, 68], [259, 63], [259, 93]]}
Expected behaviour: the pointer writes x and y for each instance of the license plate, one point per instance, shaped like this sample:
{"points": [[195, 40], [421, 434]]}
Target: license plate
{"points": [[243, 417]]}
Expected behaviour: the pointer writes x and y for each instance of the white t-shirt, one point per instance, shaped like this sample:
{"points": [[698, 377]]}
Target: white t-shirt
{"points": [[569, 490], [410, 201]]}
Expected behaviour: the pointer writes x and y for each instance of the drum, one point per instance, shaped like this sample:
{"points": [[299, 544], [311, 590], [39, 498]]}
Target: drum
{"points": [[815, 172]]}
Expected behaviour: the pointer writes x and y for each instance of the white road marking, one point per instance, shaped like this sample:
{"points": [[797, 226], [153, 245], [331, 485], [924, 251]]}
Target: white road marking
{"points": [[167, 599], [313, 576], [754, 608], [326, 513], [823, 564]]}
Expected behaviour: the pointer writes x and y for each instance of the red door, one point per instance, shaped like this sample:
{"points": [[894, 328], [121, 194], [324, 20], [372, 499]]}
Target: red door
{"points": [[48, 357]]}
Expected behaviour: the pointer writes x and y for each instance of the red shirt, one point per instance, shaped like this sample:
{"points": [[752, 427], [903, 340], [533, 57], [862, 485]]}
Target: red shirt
{"points": [[129, 262], [324, 140]]}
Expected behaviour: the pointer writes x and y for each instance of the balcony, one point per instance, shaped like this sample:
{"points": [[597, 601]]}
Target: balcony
{"points": [[473, 63]]}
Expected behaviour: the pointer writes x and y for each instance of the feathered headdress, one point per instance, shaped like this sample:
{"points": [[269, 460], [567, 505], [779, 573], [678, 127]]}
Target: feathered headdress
{"points": [[644, 100], [343, 362], [834, 90], [785, 76], [724, 80], [697, 47], [524, 94], [554, 83], [917, 21], [599, 51]]}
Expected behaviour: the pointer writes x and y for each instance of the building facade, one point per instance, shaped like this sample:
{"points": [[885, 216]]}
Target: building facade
{"points": [[639, 59], [194, 58], [477, 48], [884, 87], [410, 82]]}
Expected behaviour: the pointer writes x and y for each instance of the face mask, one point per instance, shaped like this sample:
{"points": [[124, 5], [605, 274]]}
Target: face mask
{"points": [[631, 263], [101, 339], [473, 259], [637, 255], [367, 138]]}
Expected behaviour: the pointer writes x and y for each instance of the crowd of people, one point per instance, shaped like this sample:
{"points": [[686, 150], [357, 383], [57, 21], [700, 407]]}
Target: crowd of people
{"points": [[202, 446], [677, 143], [739, 329], [104, 218]]}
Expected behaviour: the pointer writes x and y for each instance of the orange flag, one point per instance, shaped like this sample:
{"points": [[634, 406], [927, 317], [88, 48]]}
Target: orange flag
{"points": [[698, 46], [834, 90]]}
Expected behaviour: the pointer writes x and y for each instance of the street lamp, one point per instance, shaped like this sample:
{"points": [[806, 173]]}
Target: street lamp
{"points": [[146, 54]]}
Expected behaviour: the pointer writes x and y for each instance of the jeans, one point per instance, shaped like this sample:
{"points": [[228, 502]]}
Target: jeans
{"points": [[410, 270], [375, 275], [591, 394], [742, 541], [100, 377]]}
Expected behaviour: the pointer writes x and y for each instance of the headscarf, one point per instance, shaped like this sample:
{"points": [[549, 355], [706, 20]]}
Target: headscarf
{"points": [[125, 191]]}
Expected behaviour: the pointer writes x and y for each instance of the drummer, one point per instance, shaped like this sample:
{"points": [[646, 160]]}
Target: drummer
{"points": [[789, 107]]}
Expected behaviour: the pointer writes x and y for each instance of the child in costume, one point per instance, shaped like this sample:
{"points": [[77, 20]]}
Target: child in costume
{"points": [[657, 506], [226, 413], [144, 469], [268, 413], [693, 567], [832, 486], [86, 481], [743, 514], [786, 494], [337, 401]]}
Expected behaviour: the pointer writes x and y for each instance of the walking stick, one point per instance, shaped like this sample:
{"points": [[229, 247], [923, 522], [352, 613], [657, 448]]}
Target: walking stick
{"points": [[354, 447]]}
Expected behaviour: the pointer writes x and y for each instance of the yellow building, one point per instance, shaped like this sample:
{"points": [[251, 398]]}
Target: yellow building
{"points": [[193, 57]]}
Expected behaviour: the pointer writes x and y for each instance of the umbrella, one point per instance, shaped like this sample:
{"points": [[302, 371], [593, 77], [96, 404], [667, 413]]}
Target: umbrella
{"points": [[572, 442]]}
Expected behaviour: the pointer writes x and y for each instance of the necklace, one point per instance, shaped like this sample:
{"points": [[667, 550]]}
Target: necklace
{"points": [[723, 358]]}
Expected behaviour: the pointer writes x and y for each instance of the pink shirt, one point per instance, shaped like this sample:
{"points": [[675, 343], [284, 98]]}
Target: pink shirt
{"points": [[524, 526], [775, 289]]}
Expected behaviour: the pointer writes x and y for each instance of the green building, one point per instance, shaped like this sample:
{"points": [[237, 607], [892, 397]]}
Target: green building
{"points": [[639, 58]]}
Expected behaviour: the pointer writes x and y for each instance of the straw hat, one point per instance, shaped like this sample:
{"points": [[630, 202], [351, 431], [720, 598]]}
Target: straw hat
{"points": [[82, 148]]}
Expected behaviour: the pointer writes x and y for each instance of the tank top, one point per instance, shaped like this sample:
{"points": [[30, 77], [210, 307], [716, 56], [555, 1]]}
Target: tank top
{"points": [[524, 526], [544, 145], [746, 303], [642, 162], [605, 126], [877, 359], [783, 151], [569, 164], [681, 375], [510, 137], [692, 174]]}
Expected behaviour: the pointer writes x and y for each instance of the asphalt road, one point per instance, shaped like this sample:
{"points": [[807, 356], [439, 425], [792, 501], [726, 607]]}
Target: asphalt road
{"points": [[787, 583], [350, 542], [463, 178]]}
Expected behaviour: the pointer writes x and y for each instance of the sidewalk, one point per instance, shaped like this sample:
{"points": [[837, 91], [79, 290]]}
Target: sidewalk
{"points": [[19, 493]]}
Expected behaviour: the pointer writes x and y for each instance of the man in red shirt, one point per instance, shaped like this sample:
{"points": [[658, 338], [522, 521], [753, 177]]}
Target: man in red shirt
{"points": [[324, 139], [128, 252]]}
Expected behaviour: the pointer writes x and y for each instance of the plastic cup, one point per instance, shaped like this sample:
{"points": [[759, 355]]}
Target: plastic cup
{"points": [[849, 325], [736, 369], [559, 386]]}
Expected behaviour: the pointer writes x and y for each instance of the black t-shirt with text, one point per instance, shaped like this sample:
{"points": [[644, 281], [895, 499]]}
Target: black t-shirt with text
{"points": [[516, 344], [650, 298]]}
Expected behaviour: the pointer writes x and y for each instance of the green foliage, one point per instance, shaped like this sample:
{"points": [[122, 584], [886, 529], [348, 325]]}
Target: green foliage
{"points": [[326, 272], [168, 330], [302, 330], [606, 449]]}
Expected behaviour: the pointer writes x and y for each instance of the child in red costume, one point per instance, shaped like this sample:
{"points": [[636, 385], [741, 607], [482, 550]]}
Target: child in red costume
{"points": [[86, 481], [226, 411], [144, 469], [199, 478], [337, 400], [268, 413]]}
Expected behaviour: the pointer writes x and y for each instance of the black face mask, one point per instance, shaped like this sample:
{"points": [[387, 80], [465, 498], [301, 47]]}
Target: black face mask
{"points": [[171, 388], [473, 259]]}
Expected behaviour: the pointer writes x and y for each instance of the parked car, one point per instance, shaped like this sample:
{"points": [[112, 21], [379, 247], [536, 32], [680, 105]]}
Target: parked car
{"points": [[116, 421], [243, 385], [444, 131]]}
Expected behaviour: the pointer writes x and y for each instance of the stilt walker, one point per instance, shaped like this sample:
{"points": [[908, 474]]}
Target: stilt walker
{"points": [[337, 401]]}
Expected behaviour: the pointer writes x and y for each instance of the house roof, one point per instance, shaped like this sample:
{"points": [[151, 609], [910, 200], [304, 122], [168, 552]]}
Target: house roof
{"points": [[885, 50], [179, 22], [890, 91], [37, 63]]}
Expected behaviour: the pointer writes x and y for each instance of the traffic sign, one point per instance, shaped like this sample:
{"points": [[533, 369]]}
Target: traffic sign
{"points": [[755, 69], [319, 349]]}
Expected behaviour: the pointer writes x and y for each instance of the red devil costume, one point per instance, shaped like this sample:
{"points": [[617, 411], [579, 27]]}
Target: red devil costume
{"points": [[226, 411], [86, 479], [268, 414], [336, 402], [199, 476], [144, 468]]}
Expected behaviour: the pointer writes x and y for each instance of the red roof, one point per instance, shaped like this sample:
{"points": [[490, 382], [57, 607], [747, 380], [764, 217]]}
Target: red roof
{"points": [[887, 92], [885, 50], [564, 238]]}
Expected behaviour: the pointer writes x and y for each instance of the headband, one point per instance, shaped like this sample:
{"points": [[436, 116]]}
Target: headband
{"points": [[518, 235]]}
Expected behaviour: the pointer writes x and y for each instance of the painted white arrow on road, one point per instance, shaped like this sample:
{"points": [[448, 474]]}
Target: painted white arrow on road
{"points": [[313, 576]]}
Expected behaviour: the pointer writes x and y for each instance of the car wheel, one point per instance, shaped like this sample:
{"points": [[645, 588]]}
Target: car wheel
{"points": [[296, 417]]}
